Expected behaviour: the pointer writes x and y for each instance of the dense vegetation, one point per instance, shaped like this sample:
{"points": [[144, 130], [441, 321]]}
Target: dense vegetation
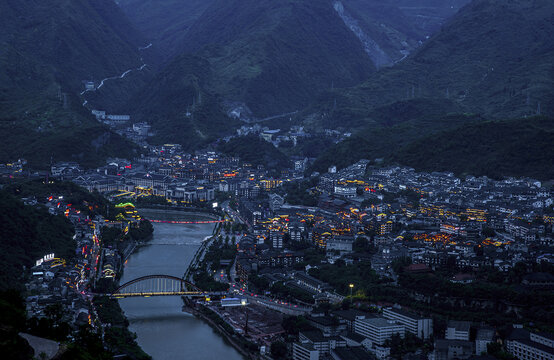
{"points": [[28, 234], [218, 251], [381, 140], [299, 193], [165, 23], [492, 58], [491, 298], [253, 150], [84, 346], [48, 49], [520, 147], [90, 203], [457, 143], [273, 55], [117, 335]]}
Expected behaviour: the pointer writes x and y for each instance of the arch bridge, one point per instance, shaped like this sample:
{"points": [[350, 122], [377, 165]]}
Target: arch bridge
{"points": [[160, 285]]}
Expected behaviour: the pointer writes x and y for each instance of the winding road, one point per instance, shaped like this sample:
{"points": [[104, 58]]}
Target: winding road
{"points": [[125, 73]]}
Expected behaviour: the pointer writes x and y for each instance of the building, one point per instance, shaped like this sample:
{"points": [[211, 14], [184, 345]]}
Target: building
{"points": [[348, 191], [350, 316], [320, 235], [328, 325], [452, 349], [417, 325], [304, 351], [384, 227], [276, 238], [342, 244], [457, 330], [378, 330], [321, 343], [232, 302], [483, 338], [350, 354], [65, 169], [525, 345], [295, 232], [310, 283]]}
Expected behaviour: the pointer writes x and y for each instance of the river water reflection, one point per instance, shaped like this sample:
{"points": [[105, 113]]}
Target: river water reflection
{"points": [[163, 330]]}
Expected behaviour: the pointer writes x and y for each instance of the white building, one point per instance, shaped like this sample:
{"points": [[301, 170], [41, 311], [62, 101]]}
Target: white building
{"points": [[417, 325], [377, 330], [304, 351], [483, 339], [531, 346], [457, 330]]}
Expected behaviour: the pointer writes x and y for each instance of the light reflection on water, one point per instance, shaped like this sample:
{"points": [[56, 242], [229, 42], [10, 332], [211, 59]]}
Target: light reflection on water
{"points": [[163, 330]]}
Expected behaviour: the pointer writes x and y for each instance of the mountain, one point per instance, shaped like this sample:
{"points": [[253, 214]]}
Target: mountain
{"points": [[164, 22], [492, 60], [267, 58], [520, 147], [428, 15], [259, 58], [274, 55], [493, 57], [48, 49], [383, 140]]}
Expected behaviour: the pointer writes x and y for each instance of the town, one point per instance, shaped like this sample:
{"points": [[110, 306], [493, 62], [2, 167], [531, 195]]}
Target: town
{"points": [[369, 261]]}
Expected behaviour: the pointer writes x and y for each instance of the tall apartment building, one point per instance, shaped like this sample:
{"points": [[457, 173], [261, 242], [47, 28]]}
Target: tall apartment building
{"points": [[304, 351], [377, 330], [414, 324], [276, 239], [484, 337], [525, 345]]}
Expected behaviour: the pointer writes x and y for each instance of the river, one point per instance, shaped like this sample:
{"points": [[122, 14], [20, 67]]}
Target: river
{"points": [[163, 330]]}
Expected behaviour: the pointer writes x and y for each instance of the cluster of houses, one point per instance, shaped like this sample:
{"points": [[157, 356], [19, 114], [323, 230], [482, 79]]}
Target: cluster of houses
{"points": [[57, 281]]}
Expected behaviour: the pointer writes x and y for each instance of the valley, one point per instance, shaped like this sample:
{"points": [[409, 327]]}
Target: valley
{"points": [[277, 179]]}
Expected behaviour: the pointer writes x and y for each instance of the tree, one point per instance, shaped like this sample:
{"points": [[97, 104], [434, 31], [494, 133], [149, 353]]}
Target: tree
{"points": [[488, 232], [279, 350], [399, 264]]}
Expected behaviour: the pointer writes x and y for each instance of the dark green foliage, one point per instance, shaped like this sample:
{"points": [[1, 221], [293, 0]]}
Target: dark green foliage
{"points": [[401, 346], [143, 232], [48, 49], [12, 321], [520, 147], [179, 106], [281, 291], [495, 349], [492, 58], [90, 203], [363, 245], [117, 336], [277, 56], [29, 233], [279, 350], [214, 254], [380, 139], [111, 236], [298, 193], [48, 133], [164, 22], [252, 149], [340, 277], [294, 324], [399, 264]]}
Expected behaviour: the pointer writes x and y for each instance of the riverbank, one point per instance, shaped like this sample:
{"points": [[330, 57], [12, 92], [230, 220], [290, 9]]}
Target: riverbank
{"points": [[223, 329], [163, 330]]}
